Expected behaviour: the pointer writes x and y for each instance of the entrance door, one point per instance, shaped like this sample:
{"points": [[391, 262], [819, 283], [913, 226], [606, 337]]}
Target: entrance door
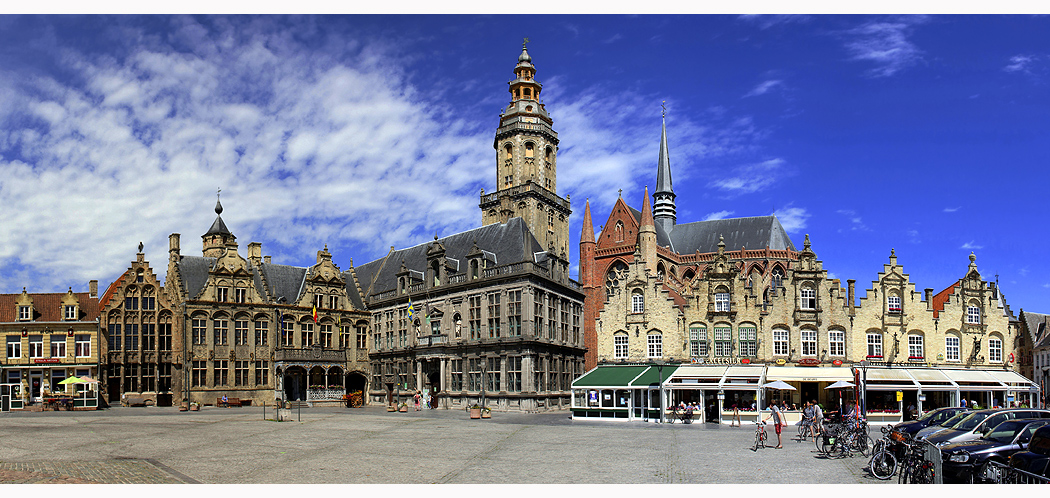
{"points": [[5, 398], [434, 381], [35, 377], [114, 389], [809, 392], [711, 414]]}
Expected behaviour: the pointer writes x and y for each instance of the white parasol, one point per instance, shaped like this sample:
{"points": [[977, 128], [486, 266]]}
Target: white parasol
{"points": [[779, 384], [840, 384]]}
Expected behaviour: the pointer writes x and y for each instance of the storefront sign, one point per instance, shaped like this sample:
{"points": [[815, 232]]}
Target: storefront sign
{"points": [[809, 362], [900, 396], [746, 361], [837, 363], [592, 398], [46, 360], [781, 362]]}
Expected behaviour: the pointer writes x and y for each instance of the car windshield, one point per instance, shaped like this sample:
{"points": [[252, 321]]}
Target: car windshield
{"points": [[1004, 432], [954, 420], [931, 416], [968, 423]]}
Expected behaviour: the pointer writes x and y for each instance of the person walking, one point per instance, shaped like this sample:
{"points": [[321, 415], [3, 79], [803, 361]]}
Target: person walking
{"points": [[416, 398], [807, 420], [736, 416], [818, 419], [778, 418]]}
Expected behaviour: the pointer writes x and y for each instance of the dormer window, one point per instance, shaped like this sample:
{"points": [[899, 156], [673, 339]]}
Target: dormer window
{"points": [[69, 312], [222, 294], [333, 302], [25, 313], [319, 300], [240, 295]]}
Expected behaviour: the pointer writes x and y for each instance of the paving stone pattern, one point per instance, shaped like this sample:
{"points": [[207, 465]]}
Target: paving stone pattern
{"points": [[369, 445]]}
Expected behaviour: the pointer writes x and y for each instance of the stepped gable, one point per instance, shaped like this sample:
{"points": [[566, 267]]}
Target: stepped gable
{"points": [[754, 233], [511, 242]]}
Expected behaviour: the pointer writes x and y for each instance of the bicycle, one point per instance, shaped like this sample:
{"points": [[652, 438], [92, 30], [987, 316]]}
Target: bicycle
{"points": [[760, 435], [883, 463], [916, 469]]}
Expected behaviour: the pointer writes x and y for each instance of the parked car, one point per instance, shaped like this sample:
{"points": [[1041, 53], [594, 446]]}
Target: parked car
{"points": [[967, 461], [1037, 459], [935, 428], [979, 421], [930, 418]]}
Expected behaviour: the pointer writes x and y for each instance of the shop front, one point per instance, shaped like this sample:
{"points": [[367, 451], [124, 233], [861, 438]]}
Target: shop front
{"points": [[698, 384], [619, 392], [810, 383]]}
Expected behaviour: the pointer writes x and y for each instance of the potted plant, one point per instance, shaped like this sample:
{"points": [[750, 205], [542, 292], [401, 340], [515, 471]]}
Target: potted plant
{"points": [[391, 408], [475, 410], [403, 408], [486, 412], [195, 406]]}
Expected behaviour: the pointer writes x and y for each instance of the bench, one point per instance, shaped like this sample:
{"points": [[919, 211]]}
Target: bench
{"points": [[231, 402]]}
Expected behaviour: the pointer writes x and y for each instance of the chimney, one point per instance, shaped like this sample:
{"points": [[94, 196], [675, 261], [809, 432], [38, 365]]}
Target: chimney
{"points": [[93, 288], [173, 244], [266, 259], [850, 294], [255, 252], [929, 298]]}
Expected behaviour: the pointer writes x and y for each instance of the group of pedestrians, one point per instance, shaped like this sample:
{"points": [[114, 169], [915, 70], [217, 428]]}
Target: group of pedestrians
{"points": [[421, 399]]}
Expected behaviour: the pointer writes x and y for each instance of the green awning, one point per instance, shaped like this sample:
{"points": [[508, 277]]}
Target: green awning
{"points": [[652, 376], [610, 376]]}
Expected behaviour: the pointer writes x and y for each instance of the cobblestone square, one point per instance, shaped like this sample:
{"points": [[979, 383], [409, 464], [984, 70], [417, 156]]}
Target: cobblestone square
{"points": [[371, 446]]}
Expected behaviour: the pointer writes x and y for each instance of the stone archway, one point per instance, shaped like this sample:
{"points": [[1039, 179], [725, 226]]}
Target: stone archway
{"points": [[294, 383]]}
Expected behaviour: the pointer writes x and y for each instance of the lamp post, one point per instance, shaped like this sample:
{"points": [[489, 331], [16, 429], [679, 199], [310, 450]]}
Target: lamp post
{"points": [[864, 388], [660, 389]]}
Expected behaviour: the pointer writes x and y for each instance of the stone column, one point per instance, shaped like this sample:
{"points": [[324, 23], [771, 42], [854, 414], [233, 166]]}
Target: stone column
{"points": [[443, 386], [419, 374]]}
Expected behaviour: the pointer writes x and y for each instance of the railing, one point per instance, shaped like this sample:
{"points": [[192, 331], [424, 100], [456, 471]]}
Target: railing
{"points": [[528, 186], [431, 340], [324, 394], [1000, 473], [312, 354], [455, 279]]}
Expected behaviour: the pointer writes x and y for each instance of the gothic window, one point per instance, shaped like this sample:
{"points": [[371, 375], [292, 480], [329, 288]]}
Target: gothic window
{"points": [[778, 277], [618, 231], [660, 271], [508, 152], [473, 269], [615, 278], [688, 275]]}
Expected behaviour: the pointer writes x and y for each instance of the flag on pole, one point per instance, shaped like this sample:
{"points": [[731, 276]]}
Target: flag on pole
{"points": [[411, 309], [315, 313]]}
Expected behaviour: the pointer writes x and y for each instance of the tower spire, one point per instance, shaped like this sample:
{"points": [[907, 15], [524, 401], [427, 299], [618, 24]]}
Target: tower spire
{"points": [[588, 226], [664, 211]]}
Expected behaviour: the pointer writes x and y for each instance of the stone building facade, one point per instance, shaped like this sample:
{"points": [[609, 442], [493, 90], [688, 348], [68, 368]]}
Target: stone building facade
{"points": [[48, 337], [489, 315], [737, 292], [143, 350]]}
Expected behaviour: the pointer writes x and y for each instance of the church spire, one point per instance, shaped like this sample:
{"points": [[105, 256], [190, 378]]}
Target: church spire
{"points": [[588, 225], [664, 207]]}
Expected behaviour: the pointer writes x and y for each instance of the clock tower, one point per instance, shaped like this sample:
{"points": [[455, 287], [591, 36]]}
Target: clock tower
{"points": [[526, 165]]}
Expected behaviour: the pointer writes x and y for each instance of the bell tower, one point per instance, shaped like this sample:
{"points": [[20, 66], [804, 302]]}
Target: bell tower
{"points": [[526, 165]]}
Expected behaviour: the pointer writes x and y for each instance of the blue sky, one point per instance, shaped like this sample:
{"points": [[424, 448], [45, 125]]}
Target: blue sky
{"points": [[923, 134]]}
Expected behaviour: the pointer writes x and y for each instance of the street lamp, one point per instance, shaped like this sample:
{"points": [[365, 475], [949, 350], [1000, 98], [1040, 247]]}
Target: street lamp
{"points": [[660, 388], [864, 388]]}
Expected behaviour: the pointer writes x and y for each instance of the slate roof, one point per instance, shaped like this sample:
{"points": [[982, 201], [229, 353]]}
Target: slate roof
{"points": [[48, 307], [194, 271], [1036, 324], [755, 232], [285, 281], [511, 242]]}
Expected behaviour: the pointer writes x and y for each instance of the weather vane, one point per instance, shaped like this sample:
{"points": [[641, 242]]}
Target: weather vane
{"points": [[524, 43], [217, 192], [663, 112]]}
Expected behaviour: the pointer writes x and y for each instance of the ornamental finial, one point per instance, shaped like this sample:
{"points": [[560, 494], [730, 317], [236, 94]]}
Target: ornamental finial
{"points": [[663, 109], [524, 42]]}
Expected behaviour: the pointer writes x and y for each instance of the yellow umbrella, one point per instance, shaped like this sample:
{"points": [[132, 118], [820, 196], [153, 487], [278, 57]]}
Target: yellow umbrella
{"points": [[71, 380]]}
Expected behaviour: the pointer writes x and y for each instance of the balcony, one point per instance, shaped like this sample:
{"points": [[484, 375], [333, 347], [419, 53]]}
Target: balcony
{"points": [[312, 354], [431, 340]]}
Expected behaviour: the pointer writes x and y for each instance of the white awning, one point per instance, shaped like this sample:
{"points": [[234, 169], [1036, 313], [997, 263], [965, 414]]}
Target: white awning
{"points": [[696, 377], [1012, 379], [809, 374]]}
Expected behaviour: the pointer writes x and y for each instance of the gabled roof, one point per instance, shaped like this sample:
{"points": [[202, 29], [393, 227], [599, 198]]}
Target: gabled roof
{"points": [[48, 307], [284, 281], [511, 242], [942, 297], [755, 232], [194, 271], [1036, 323]]}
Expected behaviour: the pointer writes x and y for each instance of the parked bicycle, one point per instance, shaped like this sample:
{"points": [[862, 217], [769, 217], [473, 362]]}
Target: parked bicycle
{"points": [[915, 469], [760, 435], [883, 463]]}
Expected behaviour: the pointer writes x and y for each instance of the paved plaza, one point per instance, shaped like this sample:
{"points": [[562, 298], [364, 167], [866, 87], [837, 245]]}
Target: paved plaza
{"points": [[371, 446]]}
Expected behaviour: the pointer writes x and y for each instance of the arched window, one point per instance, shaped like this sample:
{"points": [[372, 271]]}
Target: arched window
{"points": [[778, 277], [808, 297], [508, 152], [874, 344], [529, 150], [688, 275], [951, 347], [916, 346], [620, 342], [473, 269], [618, 231], [436, 268], [655, 341], [809, 342], [973, 312], [660, 271], [722, 298], [637, 301], [995, 349], [615, 278]]}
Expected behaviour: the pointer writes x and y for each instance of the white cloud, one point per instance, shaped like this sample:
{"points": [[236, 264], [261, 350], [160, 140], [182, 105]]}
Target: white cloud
{"points": [[1019, 63], [971, 246], [793, 219], [1023, 271], [766, 21], [718, 215], [913, 236], [951, 209], [856, 223], [752, 178], [886, 44], [763, 88]]}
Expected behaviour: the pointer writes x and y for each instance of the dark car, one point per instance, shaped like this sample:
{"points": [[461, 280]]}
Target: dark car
{"points": [[930, 418], [968, 461], [1037, 459], [979, 421], [934, 428]]}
